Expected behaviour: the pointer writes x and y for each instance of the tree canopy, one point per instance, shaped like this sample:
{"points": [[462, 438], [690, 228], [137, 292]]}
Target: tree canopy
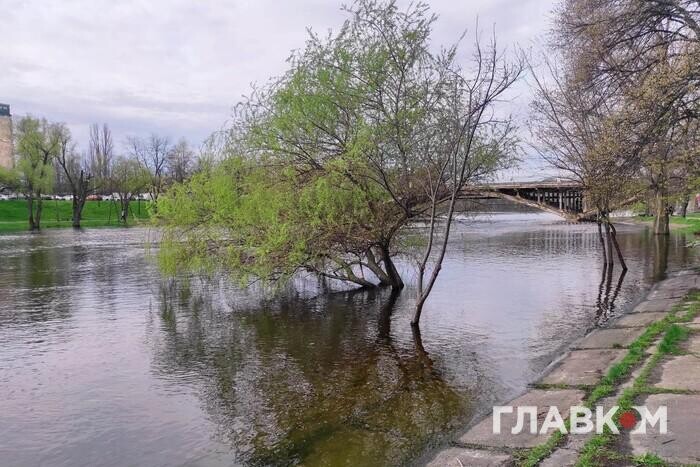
{"points": [[326, 165]]}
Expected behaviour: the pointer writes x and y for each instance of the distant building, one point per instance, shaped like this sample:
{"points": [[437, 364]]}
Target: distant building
{"points": [[7, 159]]}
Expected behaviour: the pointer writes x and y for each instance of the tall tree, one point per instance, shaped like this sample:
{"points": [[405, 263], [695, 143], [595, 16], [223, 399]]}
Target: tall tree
{"points": [[128, 177], [37, 143], [180, 161], [646, 51], [76, 172], [101, 154], [152, 153], [582, 131]]}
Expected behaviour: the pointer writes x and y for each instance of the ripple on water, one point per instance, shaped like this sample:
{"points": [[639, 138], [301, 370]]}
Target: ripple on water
{"points": [[104, 362]]}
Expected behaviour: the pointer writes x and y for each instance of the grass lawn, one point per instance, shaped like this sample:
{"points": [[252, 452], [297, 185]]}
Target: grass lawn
{"points": [[690, 224], [55, 214]]}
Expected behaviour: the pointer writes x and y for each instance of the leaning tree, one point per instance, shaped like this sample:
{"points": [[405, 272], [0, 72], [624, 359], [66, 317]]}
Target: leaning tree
{"points": [[368, 131]]}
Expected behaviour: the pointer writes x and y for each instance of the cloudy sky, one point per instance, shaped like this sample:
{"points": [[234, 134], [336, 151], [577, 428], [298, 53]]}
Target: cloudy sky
{"points": [[177, 67]]}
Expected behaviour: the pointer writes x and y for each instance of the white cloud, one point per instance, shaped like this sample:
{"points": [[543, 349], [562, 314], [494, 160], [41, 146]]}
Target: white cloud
{"points": [[178, 66]]}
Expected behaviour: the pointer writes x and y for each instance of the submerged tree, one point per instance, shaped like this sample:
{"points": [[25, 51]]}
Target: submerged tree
{"points": [[76, 172], [467, 145], [580, 131], [368, 131], [645, 51]]}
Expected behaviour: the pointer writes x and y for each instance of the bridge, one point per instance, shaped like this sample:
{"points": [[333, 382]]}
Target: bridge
{"points": [[561, 197]]}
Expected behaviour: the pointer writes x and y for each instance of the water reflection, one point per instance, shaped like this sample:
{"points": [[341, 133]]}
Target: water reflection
{"points": [[310, 381], [607, 295], [103, 362]]}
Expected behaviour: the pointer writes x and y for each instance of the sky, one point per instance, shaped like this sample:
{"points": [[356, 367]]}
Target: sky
{"points": [[177, 67]]}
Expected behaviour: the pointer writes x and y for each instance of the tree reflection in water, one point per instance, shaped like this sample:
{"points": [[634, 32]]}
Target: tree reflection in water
{"points": [[291, 382]]}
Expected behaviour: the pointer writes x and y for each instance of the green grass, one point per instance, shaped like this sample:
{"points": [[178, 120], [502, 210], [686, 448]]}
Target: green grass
{"points": [[689, 224], [57, 214], [600, 446], [598, 449]]}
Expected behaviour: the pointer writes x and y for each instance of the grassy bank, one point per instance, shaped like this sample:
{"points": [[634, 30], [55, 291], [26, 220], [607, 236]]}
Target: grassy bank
{"points": [[56, 214], [689, 224], [600, 450]]}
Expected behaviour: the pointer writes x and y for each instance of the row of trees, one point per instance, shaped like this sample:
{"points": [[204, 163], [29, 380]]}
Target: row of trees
{"points": [[328, 168], [616, 104], [48, 161]]}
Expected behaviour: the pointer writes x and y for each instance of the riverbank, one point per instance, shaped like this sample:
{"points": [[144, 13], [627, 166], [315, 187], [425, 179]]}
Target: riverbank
{"points": [[689, 224], [649, 357], [57, 214]]}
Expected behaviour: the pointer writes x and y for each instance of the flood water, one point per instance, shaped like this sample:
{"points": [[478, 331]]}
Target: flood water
{"points": [[103, 362]]}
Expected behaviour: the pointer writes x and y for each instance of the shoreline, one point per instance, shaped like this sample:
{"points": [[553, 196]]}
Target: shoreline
{"points": [[600, 368], [689, 225]]}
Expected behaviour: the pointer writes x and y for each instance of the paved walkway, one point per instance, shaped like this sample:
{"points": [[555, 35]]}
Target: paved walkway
{"points": [[674, 381]]}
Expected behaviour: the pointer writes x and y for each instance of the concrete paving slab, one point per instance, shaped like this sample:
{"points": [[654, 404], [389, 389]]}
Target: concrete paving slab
{"points": [[686, 281], [609, 338], [638, 319], [561, 458], [680, 372], [667, 293], [461, 457], [693, 344], [568, 454], [656, 305], [680, 443], [583, 367], [482, 434]]}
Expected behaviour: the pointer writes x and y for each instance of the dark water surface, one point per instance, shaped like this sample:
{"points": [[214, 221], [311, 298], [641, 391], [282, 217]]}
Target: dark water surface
{"points": [[102, 362]]}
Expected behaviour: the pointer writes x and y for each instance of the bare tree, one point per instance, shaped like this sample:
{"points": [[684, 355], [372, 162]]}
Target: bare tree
{"points": [[181, 161], [152, 153], [76, 172], [581, 131], [101, 154], [128, 178], [470, 143], [645, 51]]}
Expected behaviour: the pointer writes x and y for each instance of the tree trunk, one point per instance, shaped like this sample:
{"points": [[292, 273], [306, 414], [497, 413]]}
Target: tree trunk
{"points": [[661, 226], [37, 216], [608, 250], [394, 276], [684, 206], [384, 279], [124, 214], [602, 242], [617, 247], [30, 209], [78, 205], [660, 256], [438, 264]]}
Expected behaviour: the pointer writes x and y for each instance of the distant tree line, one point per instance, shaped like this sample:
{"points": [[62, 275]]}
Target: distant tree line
{"points": [[49, 161]]}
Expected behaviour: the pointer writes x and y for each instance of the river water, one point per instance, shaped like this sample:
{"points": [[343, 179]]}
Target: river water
{"points": [[103, 362]]}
